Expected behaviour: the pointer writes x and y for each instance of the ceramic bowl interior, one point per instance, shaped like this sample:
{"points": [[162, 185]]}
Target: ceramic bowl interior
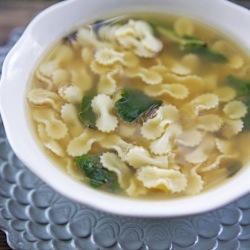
{"points": [[39, 37]]}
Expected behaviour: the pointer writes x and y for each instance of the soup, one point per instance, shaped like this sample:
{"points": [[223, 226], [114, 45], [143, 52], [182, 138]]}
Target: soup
{"points": [[144, 106]]}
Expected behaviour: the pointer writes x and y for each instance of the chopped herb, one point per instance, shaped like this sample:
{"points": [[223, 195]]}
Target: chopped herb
{"points": [[192, 44], [98, 176], [134, 103], [87, 115]]}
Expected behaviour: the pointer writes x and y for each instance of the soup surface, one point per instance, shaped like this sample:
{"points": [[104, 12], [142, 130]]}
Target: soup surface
{"points": [[144, 105]]}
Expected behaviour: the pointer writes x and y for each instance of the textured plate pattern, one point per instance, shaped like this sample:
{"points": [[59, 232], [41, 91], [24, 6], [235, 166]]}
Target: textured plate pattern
{"points": [[36, 217]]}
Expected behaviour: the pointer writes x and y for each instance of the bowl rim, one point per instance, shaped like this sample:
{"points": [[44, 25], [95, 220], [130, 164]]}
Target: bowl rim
{"points": [[12, 70]]}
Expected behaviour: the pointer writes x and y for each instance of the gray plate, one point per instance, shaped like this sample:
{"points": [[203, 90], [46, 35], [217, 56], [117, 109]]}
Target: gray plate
{"points": [[36, 217]]}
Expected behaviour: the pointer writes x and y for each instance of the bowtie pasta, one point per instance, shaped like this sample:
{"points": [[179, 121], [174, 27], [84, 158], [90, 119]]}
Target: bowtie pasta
{"points": [[144, 106]]}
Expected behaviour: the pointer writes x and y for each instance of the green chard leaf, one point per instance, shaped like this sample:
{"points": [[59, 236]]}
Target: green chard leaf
{"points": [[242, 88], [134, 103], [87, 115], [210, 55], [192, 44], [98, 176], [200, 48]]}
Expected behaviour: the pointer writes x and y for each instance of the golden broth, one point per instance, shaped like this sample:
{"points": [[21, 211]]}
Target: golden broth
{"points": [[196, 138]]}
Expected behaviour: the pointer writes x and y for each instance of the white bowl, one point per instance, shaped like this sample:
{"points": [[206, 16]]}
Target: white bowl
{"points": [[60, 19]]}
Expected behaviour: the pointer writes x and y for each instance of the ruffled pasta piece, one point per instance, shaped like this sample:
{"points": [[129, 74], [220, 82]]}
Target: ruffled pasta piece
{"points": [[225, 94], [194, 183], [190, 138], [180, 69], [239, 144], [148, 76], [236, 62], [45, 71], [136, 188], [82, 144], [151, 43], [223, 47], [231, 127], [86, 37], [50, 73], [192, 82], [195, 84], [175, 90], [82, 79], [113, 163], [107, 83], [163, 179], [51, 144], [43, 97], [160, 68], [205, 102], [201, 153], [244, 71], [63, 55], [138, 157], [191, 61], [100, 69], [224, 146], [209, 123], [183, 26], [69, 115], [126, 130], [60, 76], [235, 109], [187, 117], [71, 94], [55, 128], [55, 147], [107, 32], [176, 68], [197, 156], [109, 56], [166, 142], [211, 81], [103, 106], [137, 36], [87, 55], [153, 128], [41, 130], [211, 166], [129, 60], [132, 43], [118, 144]]}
